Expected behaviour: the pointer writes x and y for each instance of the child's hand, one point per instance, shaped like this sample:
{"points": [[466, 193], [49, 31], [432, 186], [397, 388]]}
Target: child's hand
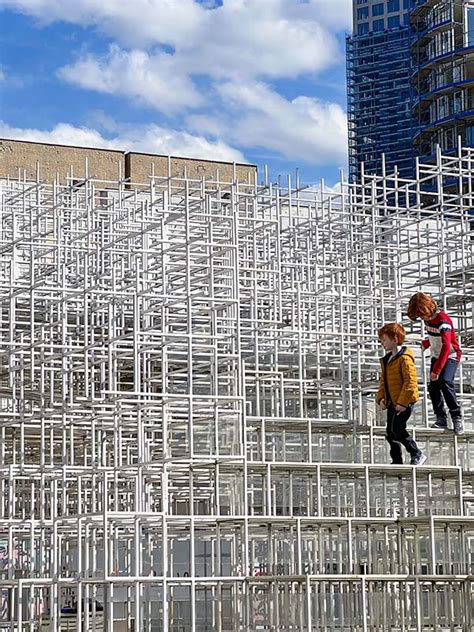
{"points": [[383, 404], [399, 408], [434, 376]]}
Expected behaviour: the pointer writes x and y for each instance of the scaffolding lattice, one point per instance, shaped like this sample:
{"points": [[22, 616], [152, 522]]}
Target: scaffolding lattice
{"points": [[188, 435]]}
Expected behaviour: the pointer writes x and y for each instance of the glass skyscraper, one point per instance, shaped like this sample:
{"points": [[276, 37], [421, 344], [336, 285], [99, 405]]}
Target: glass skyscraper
{"points": [[378, 73], [410, 67]]}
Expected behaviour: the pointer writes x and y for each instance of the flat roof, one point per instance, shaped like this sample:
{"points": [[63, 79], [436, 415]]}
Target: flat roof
{"points": [[126, 153]]}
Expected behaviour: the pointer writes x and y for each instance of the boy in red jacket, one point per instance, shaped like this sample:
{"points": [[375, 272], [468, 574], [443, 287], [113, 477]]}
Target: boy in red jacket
{"points": [[445, 357]]}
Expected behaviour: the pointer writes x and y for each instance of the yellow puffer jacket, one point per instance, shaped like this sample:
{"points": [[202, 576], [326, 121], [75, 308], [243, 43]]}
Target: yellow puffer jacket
{"points": [[398, 382]]}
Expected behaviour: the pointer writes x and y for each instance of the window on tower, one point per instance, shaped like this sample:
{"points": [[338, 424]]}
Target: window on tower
{"points": [[470, 135], [378, 25], [470, 26], [377, 9], [393, 21]]}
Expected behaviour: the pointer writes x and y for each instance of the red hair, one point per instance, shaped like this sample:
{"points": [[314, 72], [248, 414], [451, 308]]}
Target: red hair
{"points": [[395, 331], [422, 306]]}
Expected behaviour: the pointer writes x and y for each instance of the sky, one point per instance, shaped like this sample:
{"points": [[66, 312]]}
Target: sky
{"points": [[259, 81]]}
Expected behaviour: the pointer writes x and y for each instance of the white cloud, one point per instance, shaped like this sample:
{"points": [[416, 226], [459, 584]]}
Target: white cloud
{"points": [[304, 129], [245, 38], [242, 40], [136, 23], [62, 134], [150, 80], [142, 22], [336, 14], [167, 50], [312, 190], [149, 138], [255, 38]]}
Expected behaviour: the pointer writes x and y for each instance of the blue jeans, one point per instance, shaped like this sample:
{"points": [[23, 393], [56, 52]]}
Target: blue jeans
{"points": [[442, 392]]}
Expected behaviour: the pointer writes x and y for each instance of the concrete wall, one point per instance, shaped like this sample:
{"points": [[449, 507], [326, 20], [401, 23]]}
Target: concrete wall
{"points": [[104, 164]]}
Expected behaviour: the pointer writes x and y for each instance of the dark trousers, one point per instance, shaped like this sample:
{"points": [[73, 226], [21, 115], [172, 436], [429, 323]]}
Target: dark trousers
{"points": [[442, 391], [397, 434]]}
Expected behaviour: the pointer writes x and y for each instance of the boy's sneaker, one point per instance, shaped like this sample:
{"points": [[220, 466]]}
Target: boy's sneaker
{"points": [[440, 424], [419, 459], [458, 426]]}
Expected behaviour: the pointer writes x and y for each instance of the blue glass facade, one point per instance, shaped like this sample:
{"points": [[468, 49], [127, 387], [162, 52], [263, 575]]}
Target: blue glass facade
{"points": [[379, 106], [410, 87]]}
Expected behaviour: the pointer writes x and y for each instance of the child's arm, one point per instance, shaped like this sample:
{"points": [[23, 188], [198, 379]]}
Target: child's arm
{"points": [[409, 393], [380, 396]]}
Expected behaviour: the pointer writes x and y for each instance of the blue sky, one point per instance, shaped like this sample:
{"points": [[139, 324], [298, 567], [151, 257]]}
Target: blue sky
{"points": [[261, 81]]}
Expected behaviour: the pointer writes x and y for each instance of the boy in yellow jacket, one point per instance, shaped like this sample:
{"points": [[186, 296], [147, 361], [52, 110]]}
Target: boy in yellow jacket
{"points": [[398, 392]]}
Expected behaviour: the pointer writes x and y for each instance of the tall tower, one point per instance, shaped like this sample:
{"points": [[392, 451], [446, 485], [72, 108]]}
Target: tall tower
{"points": [[443, 76], [378, 81]]}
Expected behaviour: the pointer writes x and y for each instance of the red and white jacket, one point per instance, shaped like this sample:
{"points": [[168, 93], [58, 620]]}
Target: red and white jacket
{"points": [[441, 340]]}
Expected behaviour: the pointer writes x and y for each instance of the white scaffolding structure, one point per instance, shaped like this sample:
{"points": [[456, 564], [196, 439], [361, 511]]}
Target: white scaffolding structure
{"points": [[188, 435]]}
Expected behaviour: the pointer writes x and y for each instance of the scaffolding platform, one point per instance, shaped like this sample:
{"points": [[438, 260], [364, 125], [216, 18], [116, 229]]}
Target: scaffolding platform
{"points": [[188, 435]]}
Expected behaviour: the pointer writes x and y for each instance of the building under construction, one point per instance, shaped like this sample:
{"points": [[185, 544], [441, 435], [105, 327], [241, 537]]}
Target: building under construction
{"points": [[379, 69], [188, 435]]}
